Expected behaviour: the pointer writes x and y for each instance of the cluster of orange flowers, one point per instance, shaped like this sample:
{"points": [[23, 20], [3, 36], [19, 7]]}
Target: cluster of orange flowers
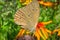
{"points": [[41, 31], [26, 2]]}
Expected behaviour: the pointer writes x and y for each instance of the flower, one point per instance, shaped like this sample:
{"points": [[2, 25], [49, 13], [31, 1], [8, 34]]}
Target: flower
{"points": [[57, 30], [41, 31], [49, 4], [26, 2]]}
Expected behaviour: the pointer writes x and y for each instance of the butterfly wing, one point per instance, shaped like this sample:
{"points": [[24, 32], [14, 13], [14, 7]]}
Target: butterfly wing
{"points": [[28, 16]]}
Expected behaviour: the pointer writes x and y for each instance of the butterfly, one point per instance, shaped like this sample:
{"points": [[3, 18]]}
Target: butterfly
{"points": [[28, 16]]}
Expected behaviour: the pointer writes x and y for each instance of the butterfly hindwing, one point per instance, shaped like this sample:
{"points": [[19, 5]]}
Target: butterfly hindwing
{"points": [[28, 16]]}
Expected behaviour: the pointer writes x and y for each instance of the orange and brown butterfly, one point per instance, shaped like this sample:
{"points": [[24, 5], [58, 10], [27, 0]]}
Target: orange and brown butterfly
{"points": [[27, 17]]}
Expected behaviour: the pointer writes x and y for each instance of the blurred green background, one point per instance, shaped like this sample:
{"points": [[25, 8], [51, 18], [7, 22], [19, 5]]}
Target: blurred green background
{"points": [[9, 30]]}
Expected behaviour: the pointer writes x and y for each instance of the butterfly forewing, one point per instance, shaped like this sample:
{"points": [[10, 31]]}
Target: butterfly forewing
{"points": [[28, 16]]}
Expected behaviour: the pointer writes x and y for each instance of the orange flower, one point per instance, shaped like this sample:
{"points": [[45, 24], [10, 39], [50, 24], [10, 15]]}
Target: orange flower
{"points": [[26, 2], [57, 30], [21, 32], [49, 4], [41, 31]]}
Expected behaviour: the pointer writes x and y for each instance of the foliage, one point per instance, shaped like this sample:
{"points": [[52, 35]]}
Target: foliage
{"points": [[9, 30]]}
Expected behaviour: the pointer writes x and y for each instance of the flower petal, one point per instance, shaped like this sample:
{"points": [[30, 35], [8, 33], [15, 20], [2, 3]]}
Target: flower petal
{"points": [[37, 35], [27, 32], [48, 31], [56, 30], [47, 22], [46, 3], [21, 32], [58, 33], [44, 32], [26, 2], [41, 34]]}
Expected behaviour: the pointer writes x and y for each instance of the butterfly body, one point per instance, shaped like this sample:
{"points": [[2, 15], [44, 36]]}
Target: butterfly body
{"points": [[28, 16]]}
